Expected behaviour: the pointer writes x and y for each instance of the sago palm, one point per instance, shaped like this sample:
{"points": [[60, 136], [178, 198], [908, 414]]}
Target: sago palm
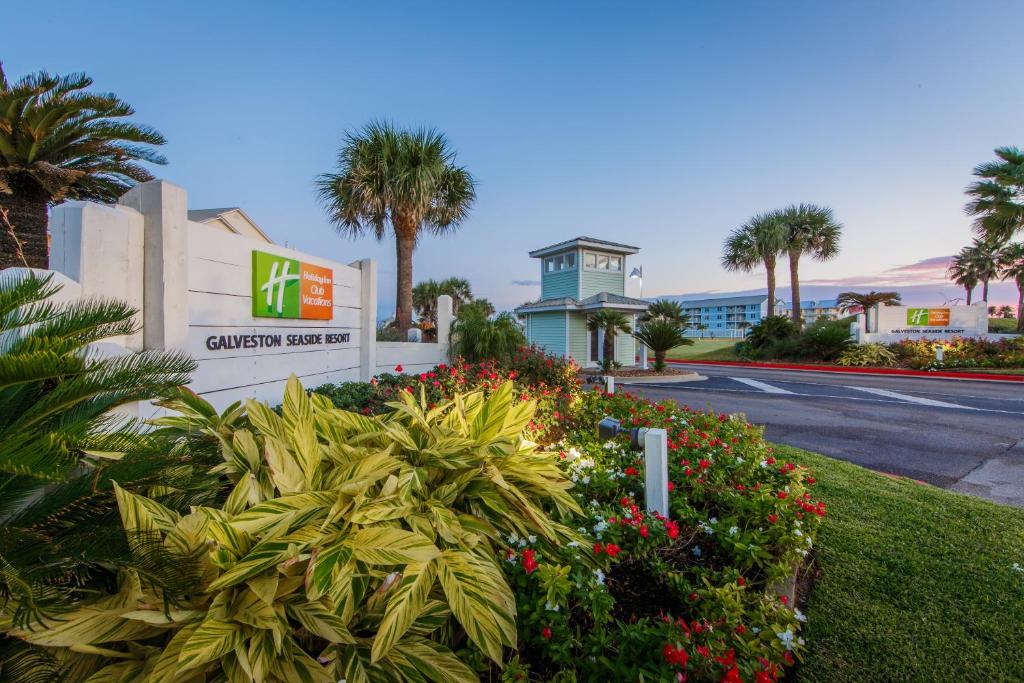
{"points": [[810, 230], [58, 141], [661, 336], [665, 309], [61, 446], [403, 179], [611, 322], [1011, 267], [757, 242], [997, 200]]}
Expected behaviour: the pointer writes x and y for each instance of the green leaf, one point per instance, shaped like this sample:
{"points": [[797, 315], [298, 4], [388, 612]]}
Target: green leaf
{"points": [[480, 600], [404, 607], [433, 661], [212, 640], [265, 555], [386, 546]]}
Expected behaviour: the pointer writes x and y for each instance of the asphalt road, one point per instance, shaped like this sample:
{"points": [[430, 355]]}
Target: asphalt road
{"points": [[958, 434]]}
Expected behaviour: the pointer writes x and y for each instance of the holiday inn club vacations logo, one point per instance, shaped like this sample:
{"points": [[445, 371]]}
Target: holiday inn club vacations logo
{"points": [[287, 288], [928, 317]]}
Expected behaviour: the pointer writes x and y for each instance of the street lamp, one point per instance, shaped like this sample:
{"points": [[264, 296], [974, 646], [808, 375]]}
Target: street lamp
{"points": [[638, 274]]}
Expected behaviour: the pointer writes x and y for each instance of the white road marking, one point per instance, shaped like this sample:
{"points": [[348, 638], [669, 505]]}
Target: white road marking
{"points": [[911, 399], [766, 388]]}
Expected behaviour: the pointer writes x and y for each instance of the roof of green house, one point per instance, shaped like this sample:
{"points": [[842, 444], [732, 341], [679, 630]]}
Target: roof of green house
{"points": [[598, 301], [593, 242]]}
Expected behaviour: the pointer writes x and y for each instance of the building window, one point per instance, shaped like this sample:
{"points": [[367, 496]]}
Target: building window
{"points": [[554, 264], [594, 261]]}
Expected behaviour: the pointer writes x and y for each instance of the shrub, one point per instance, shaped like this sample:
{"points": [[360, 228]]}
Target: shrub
{"points": [[825, 340], [770, 329], [873, 354], [961, 353], [349, 548], [476, 337], [690, 596]]}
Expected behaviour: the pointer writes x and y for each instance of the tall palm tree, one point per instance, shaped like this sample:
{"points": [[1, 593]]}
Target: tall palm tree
{"points": [[59, 142], [1011, 267], [997, 200], [757, 242], [458, 289], [405, 179], [424, 301], [963, 272], [810, 230], [984, 256], [612, 322]]}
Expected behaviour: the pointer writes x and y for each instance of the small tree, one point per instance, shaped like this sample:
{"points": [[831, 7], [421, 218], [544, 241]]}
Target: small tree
{"points": [[847, 301], [612, 322], [661, 336], [475, 337]]}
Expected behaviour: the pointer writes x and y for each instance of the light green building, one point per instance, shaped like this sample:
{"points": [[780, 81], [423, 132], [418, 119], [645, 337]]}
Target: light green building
{"points": [[578, 278]]}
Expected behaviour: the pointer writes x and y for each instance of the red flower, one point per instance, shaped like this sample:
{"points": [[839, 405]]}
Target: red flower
{"points": [[408, 390], [741, 581], [675, 655], [704, 651], [398, 368], [782, 495], [784, 599], [529, 562], [631, 472], [773, 518], [644, 532], [612, 549], [423, 377], [545, 633], [598, 548], [671, 487], [704, 464]]}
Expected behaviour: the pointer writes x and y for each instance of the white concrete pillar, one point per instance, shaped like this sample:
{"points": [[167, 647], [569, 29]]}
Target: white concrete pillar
{"points": [[609, 384], [600, 344], [643, 355], [367, 318], [656, 471], [445, 316], [101, 248], [164, 208]]}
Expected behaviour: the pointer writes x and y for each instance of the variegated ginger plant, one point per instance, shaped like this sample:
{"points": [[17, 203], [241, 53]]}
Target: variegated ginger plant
{"points": [[350, 547]]}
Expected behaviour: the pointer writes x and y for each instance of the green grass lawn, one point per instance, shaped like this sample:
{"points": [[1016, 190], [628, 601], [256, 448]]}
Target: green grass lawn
{"points": [[916, 584], [1002, 325], [706, 349]]}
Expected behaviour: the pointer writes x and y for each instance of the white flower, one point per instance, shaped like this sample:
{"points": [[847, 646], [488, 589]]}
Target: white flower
{"points": [[706, 528], [573, 544], [787, 638], [714, 520], [582, 530], [755, 630], [599, 575], [733, 530], [586, 480], [533, 539], [762, 464], [801, 641], [798, 533], [550, 607], [522, 542], [696, 551], [1016, 567], [513, 538], [800, 616]]}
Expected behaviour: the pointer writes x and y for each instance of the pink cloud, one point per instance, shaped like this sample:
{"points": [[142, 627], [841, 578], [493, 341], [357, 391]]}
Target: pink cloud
{"points": [[926, 271]]}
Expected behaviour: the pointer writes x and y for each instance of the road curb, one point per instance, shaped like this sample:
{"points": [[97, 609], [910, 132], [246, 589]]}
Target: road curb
{"points": [[889, 372]]}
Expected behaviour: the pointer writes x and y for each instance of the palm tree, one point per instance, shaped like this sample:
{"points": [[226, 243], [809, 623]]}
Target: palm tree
{"points": [[963, 272], [1005, 312], [1011, 267], [476, 337], [847, 301], [810, 230], [458, 289], [661, 335], [665, 309], [59, 142], [757, 242], [984, 256], [478, 306], [997, 200], [424, 301], [406, 179], [700, 327], [612, 322]]}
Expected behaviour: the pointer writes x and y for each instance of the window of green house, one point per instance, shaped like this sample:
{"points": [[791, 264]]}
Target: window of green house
{"points": [[554, 264], [593, 261]]}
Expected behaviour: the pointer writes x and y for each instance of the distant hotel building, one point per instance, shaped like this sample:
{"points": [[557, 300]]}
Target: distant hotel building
{"points": [[728, 316], [733, 316]]}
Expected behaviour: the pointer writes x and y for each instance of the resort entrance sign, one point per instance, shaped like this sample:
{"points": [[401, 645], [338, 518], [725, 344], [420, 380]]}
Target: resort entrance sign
{"points": [[287, 288]]}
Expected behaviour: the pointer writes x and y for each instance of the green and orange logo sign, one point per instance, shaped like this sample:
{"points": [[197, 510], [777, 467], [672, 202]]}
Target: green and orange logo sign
{"points": [[287, 288], [928, 317]]}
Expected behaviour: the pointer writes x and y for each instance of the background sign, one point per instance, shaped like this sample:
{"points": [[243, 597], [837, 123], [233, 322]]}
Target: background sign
{"points": [[287, 288]]}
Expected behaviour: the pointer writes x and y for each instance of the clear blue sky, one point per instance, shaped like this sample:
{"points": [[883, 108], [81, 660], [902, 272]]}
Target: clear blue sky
{"points": [[660, 124]]}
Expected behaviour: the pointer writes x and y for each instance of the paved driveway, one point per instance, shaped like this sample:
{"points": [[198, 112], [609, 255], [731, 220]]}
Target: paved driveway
{"points": [[958, 434]]}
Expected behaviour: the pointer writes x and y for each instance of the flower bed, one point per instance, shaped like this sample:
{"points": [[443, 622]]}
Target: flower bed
{"points": [[690, 597], [919, 354]]}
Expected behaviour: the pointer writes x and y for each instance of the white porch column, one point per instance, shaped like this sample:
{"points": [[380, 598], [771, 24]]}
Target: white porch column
{"points": [[164, 208], [367, 318]]}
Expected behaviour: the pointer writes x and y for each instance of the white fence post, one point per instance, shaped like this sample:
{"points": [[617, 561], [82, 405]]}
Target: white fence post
{"points": [[367, 318], [609, 384], [445, 315], [656, 471], [643, 356]]}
